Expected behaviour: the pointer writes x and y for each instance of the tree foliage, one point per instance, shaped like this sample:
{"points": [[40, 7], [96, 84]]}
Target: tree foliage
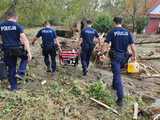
{"points": [[141, 22], [103, 23], [34, 12], [4, 6]]}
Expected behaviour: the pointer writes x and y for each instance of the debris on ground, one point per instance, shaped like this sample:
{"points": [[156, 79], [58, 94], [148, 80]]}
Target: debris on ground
{"points": [[68, 97]]}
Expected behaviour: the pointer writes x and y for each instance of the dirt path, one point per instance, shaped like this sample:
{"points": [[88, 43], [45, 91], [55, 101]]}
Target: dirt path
{"points": [[148, 87]]}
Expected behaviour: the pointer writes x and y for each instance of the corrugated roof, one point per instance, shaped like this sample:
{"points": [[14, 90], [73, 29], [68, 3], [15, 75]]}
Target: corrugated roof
{"points": [[153, 3], [155, 10], [154, 7]]}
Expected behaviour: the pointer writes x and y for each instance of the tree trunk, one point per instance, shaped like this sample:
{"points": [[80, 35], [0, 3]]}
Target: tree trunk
{"points": [[134, 15]]}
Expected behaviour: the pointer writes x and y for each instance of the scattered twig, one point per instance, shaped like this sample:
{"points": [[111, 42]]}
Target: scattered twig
{"points": [[43, 82], [144, 67], [156, 117], [147, 42], [135, 115], [106, 106], [150, 58], [150, 76], [151, 68]]}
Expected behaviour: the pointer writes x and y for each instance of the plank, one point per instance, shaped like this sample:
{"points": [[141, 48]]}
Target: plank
{"points": [[150, 58], [135, 115], [104, 105]]}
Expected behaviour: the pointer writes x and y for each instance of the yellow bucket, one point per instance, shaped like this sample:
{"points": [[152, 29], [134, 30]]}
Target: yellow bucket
{"points": [[133, 67]]}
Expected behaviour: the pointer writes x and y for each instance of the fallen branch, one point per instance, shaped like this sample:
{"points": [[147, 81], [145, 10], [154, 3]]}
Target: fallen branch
{"points": [[135, 115], [151, 68], [150, 58], [144, 67], [147, 42], [157, 117], [104, 105], [151, 76]]}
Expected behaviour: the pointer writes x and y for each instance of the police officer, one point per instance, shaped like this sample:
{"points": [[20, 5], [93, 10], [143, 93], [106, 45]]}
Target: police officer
{"points": [[88, 36], [15, 44], [119, 39], [49, 43]]}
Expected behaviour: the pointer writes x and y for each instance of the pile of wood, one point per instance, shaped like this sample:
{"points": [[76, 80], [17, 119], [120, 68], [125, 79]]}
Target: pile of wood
{"points": [[152, 55], [100, 55], [100, 51], [147, 39], [148, 71]]}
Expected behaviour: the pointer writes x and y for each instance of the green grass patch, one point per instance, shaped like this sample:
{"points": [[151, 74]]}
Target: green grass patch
{"points": [[98, 91]]}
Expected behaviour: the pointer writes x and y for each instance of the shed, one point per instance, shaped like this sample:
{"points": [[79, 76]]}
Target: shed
{"points": [[154, 17]]}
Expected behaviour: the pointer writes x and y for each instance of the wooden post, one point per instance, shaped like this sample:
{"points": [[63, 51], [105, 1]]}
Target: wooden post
{"points": [[104, 105], [135, 115]]}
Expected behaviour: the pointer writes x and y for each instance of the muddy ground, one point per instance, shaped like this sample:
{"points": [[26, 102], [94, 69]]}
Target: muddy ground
{"points": [[67, 98]]}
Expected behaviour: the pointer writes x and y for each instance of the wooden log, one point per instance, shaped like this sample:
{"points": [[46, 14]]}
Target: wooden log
{"points": [[151, 76], [144, 67], [135, 115], [106, 106], [147, 42], [151, 68], [150, 58]]}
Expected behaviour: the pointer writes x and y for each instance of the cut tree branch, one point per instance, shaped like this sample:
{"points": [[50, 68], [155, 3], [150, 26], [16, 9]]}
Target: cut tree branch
{"points": [[150, 58], [104, 105], [147, 42]]}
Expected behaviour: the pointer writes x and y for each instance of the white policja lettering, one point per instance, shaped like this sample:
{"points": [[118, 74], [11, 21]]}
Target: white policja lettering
{"points": [[8, 28]]}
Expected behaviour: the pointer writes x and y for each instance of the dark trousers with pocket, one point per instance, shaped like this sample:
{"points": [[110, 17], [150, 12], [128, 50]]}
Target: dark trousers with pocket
{"points": [[86, 53], [50, 57], [117, 84], [11, 62]]}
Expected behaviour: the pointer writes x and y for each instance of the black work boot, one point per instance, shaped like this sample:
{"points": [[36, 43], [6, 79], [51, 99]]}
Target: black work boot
{"points": [[85, 72], [48, 69], [113, 87], [119, 102]]}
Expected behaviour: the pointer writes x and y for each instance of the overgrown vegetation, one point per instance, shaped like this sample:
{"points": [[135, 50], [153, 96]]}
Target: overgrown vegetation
{"points": [[66, 12], [98, 91], [67, 97], [141, 23], [103, 23]]}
